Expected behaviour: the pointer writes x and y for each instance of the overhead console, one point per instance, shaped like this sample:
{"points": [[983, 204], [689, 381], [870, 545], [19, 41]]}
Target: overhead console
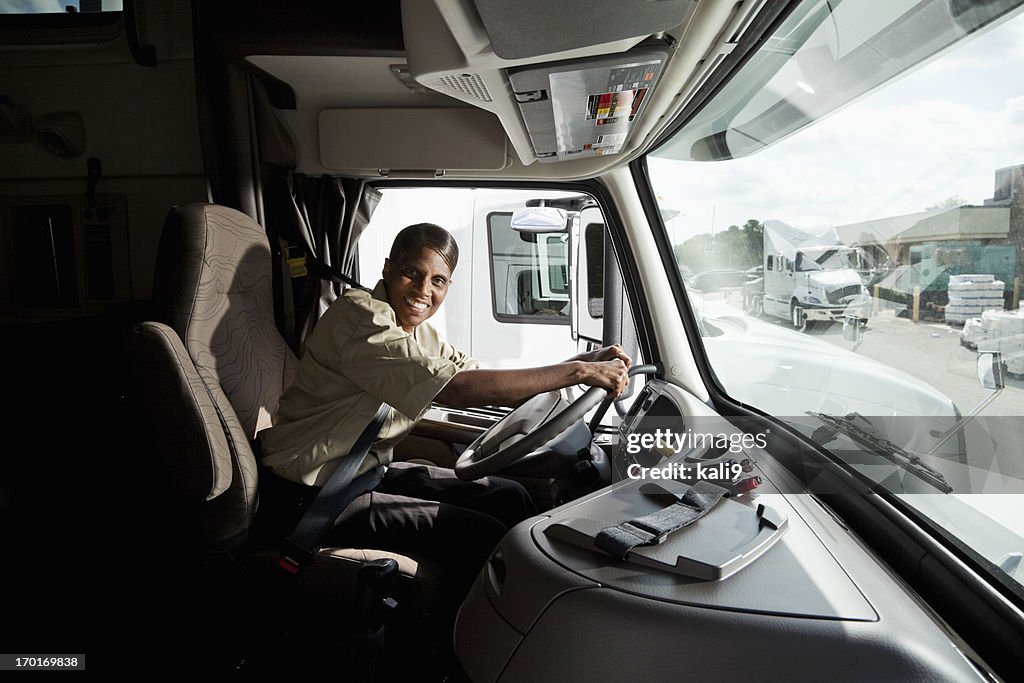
{"points": [[567, 80], [584, 108]]}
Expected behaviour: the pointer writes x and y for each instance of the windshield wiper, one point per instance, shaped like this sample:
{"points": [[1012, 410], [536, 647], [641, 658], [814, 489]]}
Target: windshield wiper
{"points": [[905, 460]]}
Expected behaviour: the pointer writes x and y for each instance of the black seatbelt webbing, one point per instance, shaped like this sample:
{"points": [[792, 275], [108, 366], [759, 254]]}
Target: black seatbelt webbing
{"points": [[330, 273], [334, 497], [617, 541]]}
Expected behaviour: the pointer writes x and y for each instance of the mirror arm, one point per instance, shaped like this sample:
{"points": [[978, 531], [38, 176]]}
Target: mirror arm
{"points": [[962, 422]]}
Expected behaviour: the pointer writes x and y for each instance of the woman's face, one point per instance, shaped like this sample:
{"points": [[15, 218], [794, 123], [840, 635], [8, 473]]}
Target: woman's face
{"points": [[417, 283]]}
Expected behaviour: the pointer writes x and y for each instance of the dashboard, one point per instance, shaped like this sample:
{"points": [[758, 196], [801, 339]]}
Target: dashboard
{"points": [[766, 584]]}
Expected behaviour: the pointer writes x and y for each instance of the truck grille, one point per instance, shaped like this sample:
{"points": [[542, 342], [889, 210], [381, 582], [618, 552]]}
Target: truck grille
{"points": [[836, 296]]}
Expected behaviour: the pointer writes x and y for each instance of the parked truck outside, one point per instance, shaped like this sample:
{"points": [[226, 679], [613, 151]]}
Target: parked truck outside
{"points": [[807, 277]]}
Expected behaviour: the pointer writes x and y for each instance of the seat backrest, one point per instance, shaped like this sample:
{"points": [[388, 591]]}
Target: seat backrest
{"points": [[213, 286], [213, 290]]}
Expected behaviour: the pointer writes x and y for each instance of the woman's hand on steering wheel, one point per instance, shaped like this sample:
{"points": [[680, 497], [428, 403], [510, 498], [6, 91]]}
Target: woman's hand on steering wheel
{"points": [[606, 368], [608, 374]]}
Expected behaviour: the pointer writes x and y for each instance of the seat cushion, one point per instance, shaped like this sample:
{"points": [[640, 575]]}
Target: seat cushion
{"points": [[329, 581]]}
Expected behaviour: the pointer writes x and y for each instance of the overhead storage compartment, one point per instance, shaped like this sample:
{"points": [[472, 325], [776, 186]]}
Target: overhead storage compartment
{"points": [[584, 108]]}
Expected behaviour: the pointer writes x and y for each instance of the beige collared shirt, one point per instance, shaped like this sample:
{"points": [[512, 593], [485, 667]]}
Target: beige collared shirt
{"points": [[356, 358]]}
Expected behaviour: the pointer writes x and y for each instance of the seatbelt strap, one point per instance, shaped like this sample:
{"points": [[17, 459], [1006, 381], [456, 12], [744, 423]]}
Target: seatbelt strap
{"points": [[342, 488], [650, 529], [330, 273]]}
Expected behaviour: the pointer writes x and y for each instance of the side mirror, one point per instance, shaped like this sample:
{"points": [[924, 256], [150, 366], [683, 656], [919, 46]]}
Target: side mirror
{"points": [[539, 219], [990, 370]]}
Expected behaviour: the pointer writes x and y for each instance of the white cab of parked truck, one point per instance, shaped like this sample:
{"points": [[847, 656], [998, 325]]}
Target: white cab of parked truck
{"points": [[808, 277], [509, 304]]}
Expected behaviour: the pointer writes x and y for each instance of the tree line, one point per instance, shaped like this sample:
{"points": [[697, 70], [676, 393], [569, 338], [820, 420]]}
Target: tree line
{"points": [[738, 247]]}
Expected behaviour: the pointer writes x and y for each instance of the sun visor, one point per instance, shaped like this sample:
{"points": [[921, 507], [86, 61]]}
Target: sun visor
{"points": [[411, 139], [587, 107]]}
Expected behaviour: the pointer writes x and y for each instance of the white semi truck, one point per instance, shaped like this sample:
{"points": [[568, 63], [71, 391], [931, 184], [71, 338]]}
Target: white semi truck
{"points": [[807, 277]]}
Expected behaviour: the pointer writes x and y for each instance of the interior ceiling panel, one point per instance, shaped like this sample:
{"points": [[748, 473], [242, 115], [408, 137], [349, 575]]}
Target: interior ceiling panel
{"points": [[451, 54]]}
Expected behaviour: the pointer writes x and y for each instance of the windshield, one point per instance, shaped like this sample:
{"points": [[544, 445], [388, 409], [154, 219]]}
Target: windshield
{"points": [[880, 220], [827, 259]]}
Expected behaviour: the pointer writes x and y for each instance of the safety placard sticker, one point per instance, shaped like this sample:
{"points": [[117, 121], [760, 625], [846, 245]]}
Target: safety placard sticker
{"points": [[627, 86], [613, 140]]}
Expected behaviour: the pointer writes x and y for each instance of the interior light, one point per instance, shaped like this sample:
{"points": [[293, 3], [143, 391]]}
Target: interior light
{"points": [[806, 87]]}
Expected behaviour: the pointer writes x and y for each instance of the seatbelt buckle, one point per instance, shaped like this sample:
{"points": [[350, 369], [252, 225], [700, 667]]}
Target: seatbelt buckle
{"points": [[293, 556], [746, 485], [296, 262], [289, 565]]}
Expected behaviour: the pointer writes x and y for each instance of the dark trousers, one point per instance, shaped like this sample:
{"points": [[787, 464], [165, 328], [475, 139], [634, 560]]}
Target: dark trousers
{"points": [[420, 510], [428, 511]]}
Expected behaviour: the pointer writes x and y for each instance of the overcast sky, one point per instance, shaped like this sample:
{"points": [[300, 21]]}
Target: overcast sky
{"points": [[938, 132]]}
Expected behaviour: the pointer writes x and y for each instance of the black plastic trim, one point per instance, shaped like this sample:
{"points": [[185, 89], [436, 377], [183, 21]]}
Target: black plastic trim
{"points": [[143, 54]]}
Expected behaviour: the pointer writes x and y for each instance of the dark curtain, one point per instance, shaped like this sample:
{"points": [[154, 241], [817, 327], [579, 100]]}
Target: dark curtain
{"points": [[329, 216]]}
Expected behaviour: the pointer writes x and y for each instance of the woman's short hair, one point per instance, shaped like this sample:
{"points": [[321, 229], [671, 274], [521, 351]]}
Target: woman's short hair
{"points": [[426, 235]]}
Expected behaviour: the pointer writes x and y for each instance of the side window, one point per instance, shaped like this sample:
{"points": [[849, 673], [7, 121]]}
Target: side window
{"points": [[771, 262], [529, 273]]}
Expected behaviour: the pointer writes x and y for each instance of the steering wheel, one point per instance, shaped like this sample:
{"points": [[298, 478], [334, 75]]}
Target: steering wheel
{"points": [[523, 431], [528, 427]]}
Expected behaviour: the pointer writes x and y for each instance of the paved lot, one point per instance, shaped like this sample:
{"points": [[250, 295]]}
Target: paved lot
{"points": [[931, 351]]}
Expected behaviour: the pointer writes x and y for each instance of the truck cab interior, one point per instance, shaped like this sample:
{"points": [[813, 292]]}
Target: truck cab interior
{"points": [[185, 187]]}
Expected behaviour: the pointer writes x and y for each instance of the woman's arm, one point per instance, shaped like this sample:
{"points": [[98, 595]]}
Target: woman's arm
{"points": [[511, 387]]}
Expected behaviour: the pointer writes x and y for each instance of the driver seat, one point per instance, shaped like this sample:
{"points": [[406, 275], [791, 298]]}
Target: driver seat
{"points": [[210, 371]]}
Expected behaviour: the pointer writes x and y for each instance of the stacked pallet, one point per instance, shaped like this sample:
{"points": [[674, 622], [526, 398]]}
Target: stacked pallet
{"points": [[971, 295], [1001, 331]]}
